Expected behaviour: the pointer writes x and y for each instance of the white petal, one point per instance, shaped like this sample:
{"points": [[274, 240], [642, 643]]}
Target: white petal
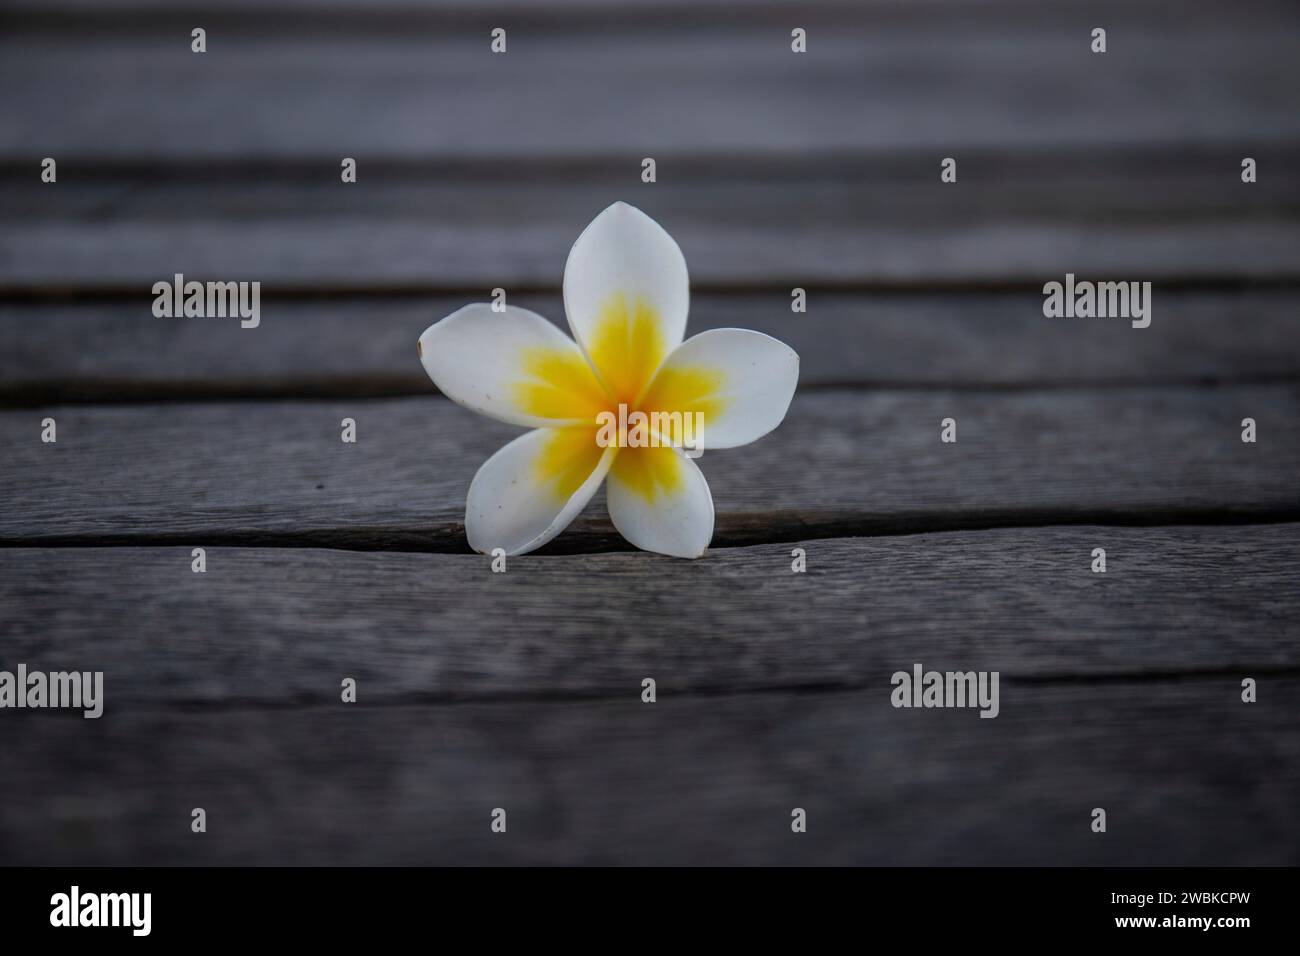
{"points": [[741, 383], [513, 366], [626, 293], [518, 503], [659, 500]]}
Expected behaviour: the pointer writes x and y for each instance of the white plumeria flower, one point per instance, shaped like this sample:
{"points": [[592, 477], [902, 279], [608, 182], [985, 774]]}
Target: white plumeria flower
{"points": [[626, 294]]}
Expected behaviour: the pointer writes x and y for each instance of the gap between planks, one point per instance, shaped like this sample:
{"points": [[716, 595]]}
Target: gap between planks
{"points": [[54, 394], [596, 536], [823, 689], [40, 292]]}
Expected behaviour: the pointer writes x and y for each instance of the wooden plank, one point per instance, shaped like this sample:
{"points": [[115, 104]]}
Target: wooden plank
{"points": [[127, 258], [267, 626], [1006, 76], [1165, 217], [1089, 184], [843, 462], [118, 350], [685, 780]]}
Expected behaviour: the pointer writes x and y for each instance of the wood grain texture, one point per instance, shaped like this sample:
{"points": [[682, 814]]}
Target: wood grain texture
{"points": [[1169, 217], [274, 627], [1009, 76], [1188, 775], [107, 351], [843, 462], [522, 690]]}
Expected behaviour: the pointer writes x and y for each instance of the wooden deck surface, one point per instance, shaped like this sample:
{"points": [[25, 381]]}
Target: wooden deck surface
{"points": [[523, 690]]}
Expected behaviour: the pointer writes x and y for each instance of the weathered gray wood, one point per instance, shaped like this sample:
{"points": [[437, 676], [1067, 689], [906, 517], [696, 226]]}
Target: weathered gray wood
{"points": [[1188, 774], [270, 626], [843, 462], [118, 350], [1168, 217], [292, 256], [480, 690], [902, 188], [1017, 76]]}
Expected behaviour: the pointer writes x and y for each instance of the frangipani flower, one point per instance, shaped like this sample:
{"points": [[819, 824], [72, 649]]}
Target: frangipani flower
{"points": [[626, 293]]}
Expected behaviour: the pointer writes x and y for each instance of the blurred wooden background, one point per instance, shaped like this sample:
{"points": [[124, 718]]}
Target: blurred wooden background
{"points": [[522, 690]]}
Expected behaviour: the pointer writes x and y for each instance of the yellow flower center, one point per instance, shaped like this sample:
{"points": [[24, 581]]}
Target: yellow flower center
{"points": [[627, 348]]}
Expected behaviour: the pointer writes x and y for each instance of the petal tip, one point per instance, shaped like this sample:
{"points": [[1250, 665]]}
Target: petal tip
{"points": [[621, 208]]}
